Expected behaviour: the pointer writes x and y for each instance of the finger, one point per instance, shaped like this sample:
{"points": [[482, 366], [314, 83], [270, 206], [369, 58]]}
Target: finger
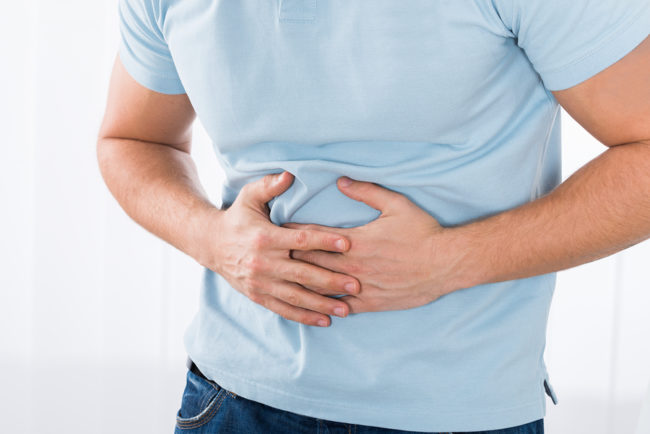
{"points": [[266, 188], [315, 227], [313, 276], [373, 195], [306, 239], [331, 261], [355, 304], [295, 295], [321, 291], [293, 313]]}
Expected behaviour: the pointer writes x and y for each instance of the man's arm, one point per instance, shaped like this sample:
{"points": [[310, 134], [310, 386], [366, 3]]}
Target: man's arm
{"points": [[405, 259], [143, 152], [603, 208]]}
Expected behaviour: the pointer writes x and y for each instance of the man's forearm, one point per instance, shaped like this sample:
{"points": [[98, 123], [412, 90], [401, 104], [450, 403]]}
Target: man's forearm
{"points": [[158, 187], [603, 208]]}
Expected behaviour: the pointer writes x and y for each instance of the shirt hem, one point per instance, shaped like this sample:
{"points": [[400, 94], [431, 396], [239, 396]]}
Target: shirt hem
{"points": [[144, 77], [400, 419]]}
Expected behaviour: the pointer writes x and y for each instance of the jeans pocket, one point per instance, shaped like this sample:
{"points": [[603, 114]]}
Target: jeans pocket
{"points": [[201, 402], [536, 427]]}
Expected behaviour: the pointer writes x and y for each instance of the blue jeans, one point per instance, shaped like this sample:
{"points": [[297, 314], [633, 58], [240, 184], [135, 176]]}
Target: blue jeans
{"points": [[207, 408]]}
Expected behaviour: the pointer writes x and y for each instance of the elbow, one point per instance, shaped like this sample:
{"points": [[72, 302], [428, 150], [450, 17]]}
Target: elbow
{"points": [[101, 154]]}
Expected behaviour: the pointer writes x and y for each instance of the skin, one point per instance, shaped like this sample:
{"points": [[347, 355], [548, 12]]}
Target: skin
{"points": [[143, 152], [603, 208]]}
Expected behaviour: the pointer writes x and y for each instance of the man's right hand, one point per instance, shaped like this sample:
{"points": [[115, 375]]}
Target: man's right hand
{"points": [[143, 151], [253, 255]]}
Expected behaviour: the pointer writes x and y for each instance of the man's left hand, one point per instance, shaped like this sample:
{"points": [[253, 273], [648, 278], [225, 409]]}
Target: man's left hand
{"points": [[401, 258]]}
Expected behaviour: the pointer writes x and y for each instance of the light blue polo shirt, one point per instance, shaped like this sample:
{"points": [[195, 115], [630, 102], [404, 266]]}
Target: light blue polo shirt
{"points": [[447, 102]]}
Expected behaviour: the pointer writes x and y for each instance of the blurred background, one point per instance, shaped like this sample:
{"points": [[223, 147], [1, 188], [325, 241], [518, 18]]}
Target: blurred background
{"points": [[93, 308]]}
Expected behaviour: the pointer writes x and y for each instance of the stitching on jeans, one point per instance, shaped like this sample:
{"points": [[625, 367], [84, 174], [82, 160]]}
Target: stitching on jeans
{"points": [[203, 402], [207, 398], [203, 420], [207, 418], [188, 424]]}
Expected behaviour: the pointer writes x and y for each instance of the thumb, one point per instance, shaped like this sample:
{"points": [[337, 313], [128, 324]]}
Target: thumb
{"points": [[266, 188], [379, 198]]}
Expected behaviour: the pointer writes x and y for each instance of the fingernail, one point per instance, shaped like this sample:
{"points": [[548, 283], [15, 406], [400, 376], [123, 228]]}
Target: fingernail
{"points": [[340, 244], [322, 323], [339, 311], [349, 287], [345, 181]]}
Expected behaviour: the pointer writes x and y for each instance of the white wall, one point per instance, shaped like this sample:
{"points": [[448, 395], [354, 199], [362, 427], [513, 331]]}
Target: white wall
{"points": [[598, 352], [93, 307]]}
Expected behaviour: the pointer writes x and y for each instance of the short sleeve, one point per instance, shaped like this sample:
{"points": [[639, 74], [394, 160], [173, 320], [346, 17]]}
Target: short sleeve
{"points": [[568, 42], [143, 49]]}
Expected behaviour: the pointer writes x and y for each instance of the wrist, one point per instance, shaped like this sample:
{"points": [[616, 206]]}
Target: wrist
{"points": [[204, 228], [462, 254]]}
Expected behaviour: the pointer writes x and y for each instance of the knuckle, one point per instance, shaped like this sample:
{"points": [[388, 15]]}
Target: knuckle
{"points": [[251, 284], [259, 240], [301, 238], [254, 265], [292, 298], [300, 275]]}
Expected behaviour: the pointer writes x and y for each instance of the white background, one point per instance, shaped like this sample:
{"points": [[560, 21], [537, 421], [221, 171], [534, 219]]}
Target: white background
{"points": [[93, 308]]}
